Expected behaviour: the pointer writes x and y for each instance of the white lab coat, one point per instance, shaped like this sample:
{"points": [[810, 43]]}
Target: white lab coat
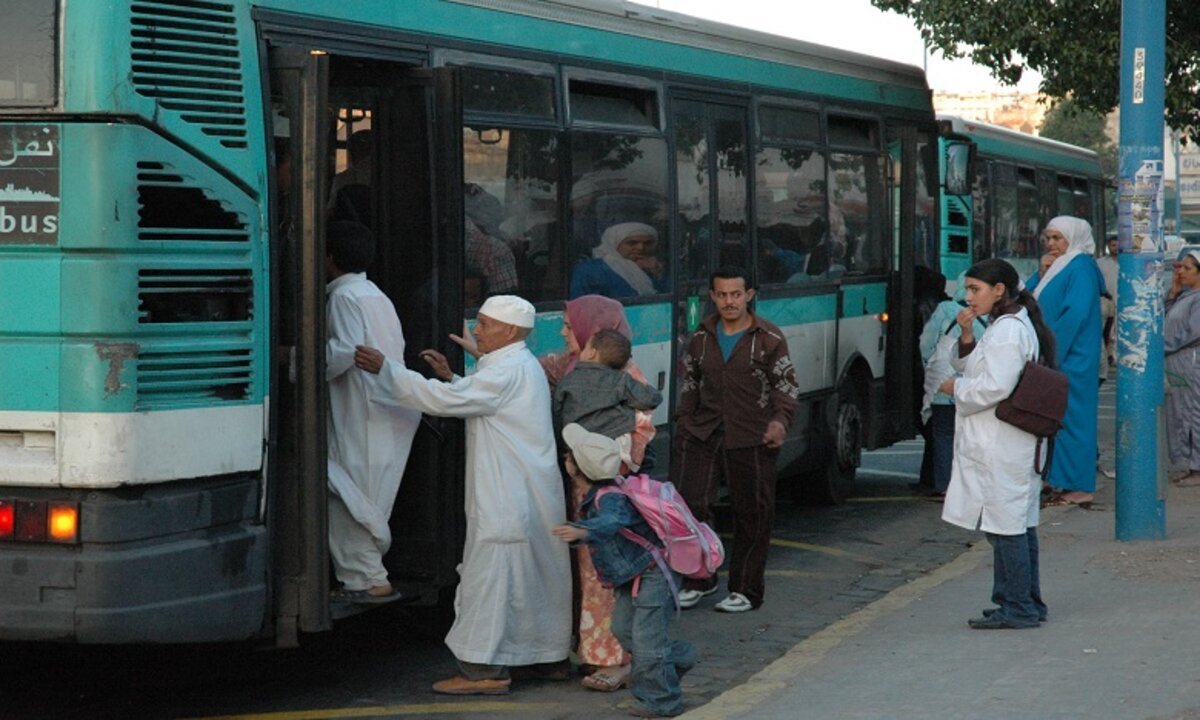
{"points": [[368, 442], [993, 486], [513, 605]]}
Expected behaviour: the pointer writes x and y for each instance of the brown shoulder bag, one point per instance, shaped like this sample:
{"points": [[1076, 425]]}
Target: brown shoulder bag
{"points": [[1037, 405]]}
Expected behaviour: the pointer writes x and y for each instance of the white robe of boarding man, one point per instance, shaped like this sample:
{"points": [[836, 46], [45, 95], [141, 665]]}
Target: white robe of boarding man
{"points": [[368, 442], [513, 605]]}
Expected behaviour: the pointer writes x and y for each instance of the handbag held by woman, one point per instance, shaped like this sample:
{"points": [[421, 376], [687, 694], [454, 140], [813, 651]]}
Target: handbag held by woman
{"points": [[1037, 405]]}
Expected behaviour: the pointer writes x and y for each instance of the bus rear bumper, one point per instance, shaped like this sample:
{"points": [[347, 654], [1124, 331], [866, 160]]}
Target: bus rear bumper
{"points": [[200, 588], [175, 563]]}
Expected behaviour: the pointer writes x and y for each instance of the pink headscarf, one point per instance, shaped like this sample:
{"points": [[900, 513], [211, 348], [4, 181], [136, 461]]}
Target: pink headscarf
{"points": [[590, 313]]}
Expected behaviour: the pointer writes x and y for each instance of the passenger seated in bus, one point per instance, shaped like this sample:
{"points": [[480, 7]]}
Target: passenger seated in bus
{"points": [[486, 251], [368, 443], [625, 264], [350, 194], [778, 264], [599, 395], [475, 288]]}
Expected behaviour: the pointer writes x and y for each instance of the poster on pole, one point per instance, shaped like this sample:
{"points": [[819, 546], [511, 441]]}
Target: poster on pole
{"points": [[1140, 201]]}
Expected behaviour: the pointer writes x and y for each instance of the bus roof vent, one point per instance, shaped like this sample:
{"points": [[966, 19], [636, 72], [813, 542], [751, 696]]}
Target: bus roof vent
{"points": [[186, 58]]}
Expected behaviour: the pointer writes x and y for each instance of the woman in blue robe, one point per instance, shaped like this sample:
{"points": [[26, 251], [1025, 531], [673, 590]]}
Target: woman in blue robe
{"points": [[1069, 295], [624, 265]]}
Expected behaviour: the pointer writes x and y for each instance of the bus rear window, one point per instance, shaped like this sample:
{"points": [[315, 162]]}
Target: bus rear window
{"points": [[27, 55]]}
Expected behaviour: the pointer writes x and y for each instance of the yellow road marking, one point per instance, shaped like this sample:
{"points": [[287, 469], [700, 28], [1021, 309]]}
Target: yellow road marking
{"points": [[396, 711], [825, 550], [740, 701], [822, 549]]}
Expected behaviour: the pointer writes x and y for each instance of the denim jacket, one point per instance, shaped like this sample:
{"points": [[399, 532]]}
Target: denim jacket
{"points": [[617, 559]]}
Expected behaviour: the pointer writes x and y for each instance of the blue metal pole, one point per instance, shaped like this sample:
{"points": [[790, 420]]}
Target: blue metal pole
{"points": [[1178, 184], [1141, 472]]}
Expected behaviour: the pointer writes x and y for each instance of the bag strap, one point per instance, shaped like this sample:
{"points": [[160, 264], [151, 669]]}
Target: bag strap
{"points": [[659, 558], [654, 550], [1043, 469]]}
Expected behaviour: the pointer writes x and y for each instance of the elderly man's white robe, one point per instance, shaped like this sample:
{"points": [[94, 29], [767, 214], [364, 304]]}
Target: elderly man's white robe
{"points": [[368, 442], [513, 605]]}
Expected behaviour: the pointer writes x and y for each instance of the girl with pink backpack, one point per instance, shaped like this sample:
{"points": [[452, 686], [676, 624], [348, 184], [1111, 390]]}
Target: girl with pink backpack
{"points": [[629, 557]]}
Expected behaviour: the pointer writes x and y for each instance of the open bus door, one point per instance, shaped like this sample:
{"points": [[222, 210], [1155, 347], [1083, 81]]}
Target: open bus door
{"points": [[410, 195], [295, 491], [419, 265]]}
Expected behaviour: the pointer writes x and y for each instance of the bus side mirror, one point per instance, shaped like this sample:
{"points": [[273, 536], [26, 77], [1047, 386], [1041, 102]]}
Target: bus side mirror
{"points": [[960, 168]]}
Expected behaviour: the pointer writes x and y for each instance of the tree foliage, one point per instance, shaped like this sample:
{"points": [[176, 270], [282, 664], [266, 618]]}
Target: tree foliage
{"points": [[1074, 44], [1069, 123]]}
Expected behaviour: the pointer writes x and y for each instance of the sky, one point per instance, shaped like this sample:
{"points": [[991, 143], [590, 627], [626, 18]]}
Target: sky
{"points": [[854, 25]]}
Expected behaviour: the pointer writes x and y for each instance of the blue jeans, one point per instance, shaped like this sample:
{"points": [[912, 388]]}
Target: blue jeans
{"points": [[942, 436], [1016, 587], [640, 624]]}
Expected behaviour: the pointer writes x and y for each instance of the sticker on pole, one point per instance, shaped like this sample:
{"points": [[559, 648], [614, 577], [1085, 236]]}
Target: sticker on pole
{"points": [[1139, 209]]}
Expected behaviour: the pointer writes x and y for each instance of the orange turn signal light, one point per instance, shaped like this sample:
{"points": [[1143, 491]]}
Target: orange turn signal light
{"points": [[883, 317], [63, 523]]}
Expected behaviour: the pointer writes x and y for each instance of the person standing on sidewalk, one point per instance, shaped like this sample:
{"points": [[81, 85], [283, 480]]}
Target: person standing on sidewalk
{"points": [[643, 587], [1068, 293], [993, 484], [737, 399], [1181, 343]]}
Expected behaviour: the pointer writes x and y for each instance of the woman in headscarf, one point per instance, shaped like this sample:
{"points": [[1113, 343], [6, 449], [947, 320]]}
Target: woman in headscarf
{"points": [[598, 650], [1181, 343], [1069, 295], [624, 264]]}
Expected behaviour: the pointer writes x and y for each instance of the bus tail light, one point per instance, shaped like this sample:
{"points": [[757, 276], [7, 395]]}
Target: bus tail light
{"points": [[39, 521], [7, 520]]}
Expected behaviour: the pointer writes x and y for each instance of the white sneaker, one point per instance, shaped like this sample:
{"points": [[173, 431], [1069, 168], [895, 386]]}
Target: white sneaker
{"points": [[689, 598], [735, 603]]}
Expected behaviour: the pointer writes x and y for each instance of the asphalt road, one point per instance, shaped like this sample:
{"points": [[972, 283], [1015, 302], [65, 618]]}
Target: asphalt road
{"points": [[826, 562]]}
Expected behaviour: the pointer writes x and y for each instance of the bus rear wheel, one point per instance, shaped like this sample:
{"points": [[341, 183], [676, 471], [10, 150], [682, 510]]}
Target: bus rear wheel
{"points": [[832, 479]]}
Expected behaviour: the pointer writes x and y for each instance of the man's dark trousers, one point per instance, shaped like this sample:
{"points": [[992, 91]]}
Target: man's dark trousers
{"points": [[750, 474]]}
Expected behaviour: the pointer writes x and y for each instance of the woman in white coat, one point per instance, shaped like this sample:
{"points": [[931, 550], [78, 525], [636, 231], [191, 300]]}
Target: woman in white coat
{"points": [[993, 484]]}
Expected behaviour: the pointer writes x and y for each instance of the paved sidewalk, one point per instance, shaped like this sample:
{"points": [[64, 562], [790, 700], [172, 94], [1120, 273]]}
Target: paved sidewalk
{"points": [[1122, 640]]}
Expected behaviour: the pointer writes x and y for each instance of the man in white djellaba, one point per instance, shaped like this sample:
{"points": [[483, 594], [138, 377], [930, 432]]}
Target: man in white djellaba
{"points": [[513, 605], [368, 443]]}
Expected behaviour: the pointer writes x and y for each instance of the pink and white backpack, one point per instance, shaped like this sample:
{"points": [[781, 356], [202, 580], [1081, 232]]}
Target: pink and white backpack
{"points": [[690, 547]]}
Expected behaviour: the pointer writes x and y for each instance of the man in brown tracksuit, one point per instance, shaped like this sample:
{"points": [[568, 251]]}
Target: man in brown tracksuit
{"points": [[737, 399]]}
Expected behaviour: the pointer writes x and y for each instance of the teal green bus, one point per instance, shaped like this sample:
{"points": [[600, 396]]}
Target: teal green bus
{"points": [[167, 170], [1001, 187]]}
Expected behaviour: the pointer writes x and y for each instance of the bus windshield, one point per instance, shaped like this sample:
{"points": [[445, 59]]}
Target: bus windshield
{"points": [[27, 55]]}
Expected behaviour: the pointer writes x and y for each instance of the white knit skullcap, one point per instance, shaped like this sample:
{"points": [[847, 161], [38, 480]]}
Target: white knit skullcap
{"points": [[509, 309]]}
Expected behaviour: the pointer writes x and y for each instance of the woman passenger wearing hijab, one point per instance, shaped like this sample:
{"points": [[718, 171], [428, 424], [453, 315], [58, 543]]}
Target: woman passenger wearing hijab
{"points": [[1181, 343], [1069, 296], [598, 649], [624, 264]]}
